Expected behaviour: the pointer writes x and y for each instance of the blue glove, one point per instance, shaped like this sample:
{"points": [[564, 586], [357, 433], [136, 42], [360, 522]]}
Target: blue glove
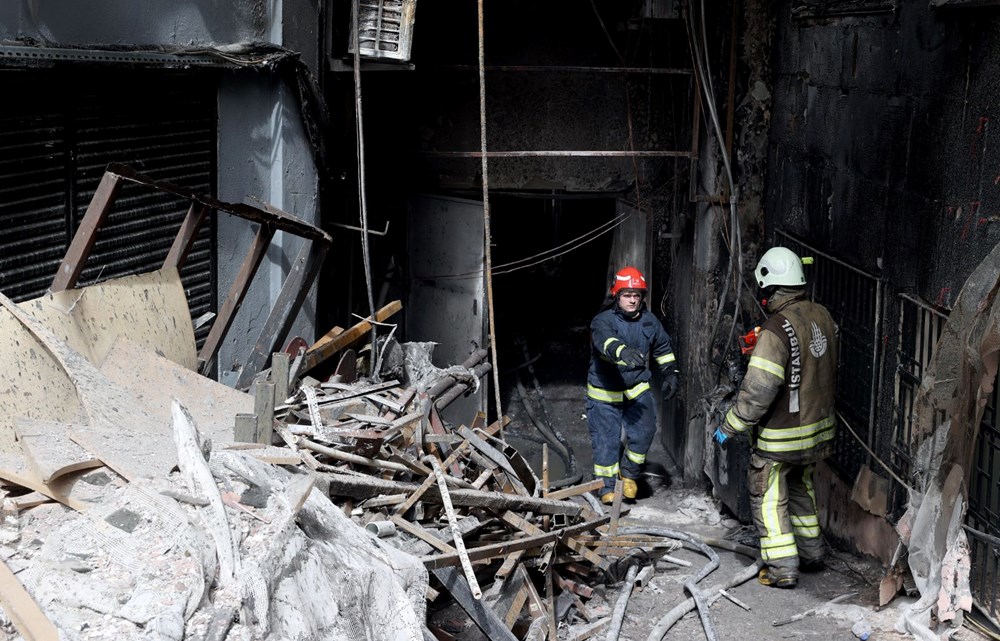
{"points": [[720, 436]]}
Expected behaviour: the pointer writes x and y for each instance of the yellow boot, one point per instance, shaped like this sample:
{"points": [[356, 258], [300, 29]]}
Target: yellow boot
{"points": [[608, 498], [629, 488]]}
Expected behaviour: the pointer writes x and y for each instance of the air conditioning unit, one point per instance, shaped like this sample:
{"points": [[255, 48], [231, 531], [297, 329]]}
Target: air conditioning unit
{"points": [[385, 29]]}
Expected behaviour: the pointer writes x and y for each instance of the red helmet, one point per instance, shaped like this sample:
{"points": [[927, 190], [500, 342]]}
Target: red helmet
{"points": [[628, 278]]}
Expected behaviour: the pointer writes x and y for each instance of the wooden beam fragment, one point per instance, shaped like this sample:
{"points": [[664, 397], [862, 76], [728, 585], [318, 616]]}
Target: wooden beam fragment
{"points": [[186, 235], [429, 481], [365, 487], [422, 534], [506, 547], [491, 625], [86, 234], [231, 305], [576, 490], [22, 609], [328, 345], [572, 543]]}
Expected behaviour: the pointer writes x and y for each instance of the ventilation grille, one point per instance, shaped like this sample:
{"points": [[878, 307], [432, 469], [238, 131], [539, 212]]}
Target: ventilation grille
{"points": [[385, 28]]}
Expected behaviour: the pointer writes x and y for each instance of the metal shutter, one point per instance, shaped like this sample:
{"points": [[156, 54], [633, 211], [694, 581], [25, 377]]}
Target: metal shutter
{"points": [[55, 143]]}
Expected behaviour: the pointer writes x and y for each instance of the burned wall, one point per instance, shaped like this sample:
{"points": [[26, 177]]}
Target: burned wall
{"points": [[554, 83], [127, 22], [881, 155], [880, 144]]}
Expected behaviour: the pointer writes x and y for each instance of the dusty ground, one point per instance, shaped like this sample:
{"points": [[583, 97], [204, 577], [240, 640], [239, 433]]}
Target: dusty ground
{"points": [[560, 370]]}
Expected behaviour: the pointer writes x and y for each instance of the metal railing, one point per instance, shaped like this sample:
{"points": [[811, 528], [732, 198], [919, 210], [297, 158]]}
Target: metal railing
{"points": [[919, 329], [982, 519], [855, 300]]}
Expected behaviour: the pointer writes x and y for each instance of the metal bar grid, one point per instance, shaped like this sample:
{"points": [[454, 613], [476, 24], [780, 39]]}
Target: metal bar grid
{"points": [[919, 329], [984, 571], [855, 300], [983, 515]]}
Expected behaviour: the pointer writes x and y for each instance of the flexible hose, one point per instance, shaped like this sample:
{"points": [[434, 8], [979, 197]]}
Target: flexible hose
{"points": [[618, 616], [670, 618], [690, 585]]}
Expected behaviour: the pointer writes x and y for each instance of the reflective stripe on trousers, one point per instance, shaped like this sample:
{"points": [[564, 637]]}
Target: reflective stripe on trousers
{"points": [[784, 510], [606, 421]]}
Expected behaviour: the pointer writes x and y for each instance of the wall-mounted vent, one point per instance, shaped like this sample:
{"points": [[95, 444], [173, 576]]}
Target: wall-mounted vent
{"points": [[385, 28]]}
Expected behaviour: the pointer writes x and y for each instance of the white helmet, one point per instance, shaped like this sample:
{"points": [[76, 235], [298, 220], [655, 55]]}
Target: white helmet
{"points": [[780, 266]]}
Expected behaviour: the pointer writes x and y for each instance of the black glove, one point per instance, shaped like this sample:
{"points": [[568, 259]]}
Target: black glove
{"points": [[671, 381], [632, 357]]}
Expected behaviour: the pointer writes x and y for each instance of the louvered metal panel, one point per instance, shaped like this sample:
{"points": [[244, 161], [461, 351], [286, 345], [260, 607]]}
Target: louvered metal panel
{"points": [[55, 149], [34, 167]]}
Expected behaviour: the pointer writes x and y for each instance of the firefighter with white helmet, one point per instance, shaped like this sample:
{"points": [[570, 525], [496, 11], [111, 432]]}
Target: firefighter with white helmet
{"points": [[625, 338], [786, 406]]}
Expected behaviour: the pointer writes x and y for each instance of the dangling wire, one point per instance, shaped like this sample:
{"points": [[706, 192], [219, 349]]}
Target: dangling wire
{"points": [[362, 199], [487, 240], [733, 240]]}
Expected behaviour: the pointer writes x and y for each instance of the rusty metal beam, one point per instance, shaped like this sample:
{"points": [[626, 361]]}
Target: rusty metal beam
{"points": [[186, 236], [568, 153], [86, 235], [269, 216], [304, 270], [235, 297]]}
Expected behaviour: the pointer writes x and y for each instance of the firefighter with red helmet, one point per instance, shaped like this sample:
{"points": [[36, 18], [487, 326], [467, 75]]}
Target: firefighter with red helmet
{"points": [[626, 338]]}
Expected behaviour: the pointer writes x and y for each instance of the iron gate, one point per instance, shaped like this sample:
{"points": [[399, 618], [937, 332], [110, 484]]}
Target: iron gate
{"points": [[854, 299]]}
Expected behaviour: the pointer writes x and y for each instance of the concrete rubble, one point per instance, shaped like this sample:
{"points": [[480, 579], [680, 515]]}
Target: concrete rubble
{"points": [[348, 507]]}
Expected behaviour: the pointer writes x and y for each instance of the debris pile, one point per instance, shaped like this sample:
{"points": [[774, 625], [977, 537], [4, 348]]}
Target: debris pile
{"points": [[349, 508]]}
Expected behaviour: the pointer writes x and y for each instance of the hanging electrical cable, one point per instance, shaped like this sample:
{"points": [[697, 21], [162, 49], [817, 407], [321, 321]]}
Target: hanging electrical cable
{"points": [[541, 257], [733, 241], [487, 238], [362, 199], [628, 103]]}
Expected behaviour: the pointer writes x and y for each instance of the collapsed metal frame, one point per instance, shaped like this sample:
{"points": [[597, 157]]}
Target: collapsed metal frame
{"points": [[304, 269]]}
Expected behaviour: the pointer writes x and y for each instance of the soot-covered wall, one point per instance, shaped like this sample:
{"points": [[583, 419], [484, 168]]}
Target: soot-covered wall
{"points": [[884, 139]]}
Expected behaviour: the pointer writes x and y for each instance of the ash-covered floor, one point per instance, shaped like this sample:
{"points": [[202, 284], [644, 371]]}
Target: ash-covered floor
{"points": [[559, 363]]}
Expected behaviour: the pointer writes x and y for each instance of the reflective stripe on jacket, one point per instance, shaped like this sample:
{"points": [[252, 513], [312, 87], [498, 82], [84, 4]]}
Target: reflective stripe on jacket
{"points": [[787, 393], [609, 379]]}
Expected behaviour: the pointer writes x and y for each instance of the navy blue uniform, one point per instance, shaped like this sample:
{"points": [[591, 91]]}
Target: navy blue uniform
{"points": [[618, 394]]}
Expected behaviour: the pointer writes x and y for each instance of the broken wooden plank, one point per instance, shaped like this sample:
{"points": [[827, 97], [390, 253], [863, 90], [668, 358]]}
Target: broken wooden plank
{"points": [[22, 609], [428, 482], [370, 418], [347, 457], [366, 487], [14, 469], [268, 453], [530, 528], [491, 625], [48, 450], [327, 346], [422, 534], [506, 547], [576, 490]]}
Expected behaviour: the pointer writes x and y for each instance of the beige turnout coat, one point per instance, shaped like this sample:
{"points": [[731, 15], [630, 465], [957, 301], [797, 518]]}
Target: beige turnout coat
{"points": [[786, 400]]}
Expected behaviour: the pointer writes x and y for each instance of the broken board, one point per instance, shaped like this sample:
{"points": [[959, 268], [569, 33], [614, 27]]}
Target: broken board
{"points": [[49, 451], [154, 381]]}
